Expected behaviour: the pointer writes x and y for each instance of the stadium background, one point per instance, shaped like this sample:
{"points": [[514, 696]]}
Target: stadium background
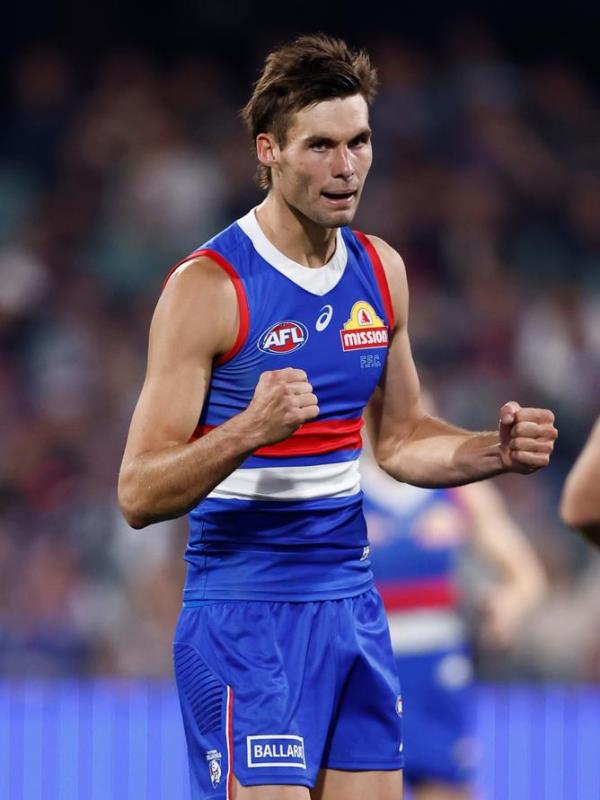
{"points": [[120, 150]]}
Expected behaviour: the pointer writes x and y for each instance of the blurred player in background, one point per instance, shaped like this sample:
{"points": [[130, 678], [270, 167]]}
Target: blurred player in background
{"points": [[266, 346], [580, 501], [416, 537]]}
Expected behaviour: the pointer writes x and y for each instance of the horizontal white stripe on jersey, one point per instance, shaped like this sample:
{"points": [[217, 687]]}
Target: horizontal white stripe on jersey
{"points": [[341, 479], [421, 631]]}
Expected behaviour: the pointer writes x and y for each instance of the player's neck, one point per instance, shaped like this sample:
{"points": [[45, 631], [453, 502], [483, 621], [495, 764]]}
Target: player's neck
{"points": [[297, 237]]}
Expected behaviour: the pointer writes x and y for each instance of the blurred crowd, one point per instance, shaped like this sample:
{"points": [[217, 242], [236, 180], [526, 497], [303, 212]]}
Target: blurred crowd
{"points": [[486, 178]]}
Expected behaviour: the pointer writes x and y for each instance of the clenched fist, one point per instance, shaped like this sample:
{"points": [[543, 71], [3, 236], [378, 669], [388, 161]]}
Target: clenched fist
{"points": [[283, 400], [527, 437]]}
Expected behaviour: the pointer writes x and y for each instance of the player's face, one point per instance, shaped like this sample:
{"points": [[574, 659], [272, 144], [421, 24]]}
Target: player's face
{"points": [[321, 170]]}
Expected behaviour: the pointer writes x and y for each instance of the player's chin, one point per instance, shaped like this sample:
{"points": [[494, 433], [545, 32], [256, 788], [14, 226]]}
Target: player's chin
{"points": [[334, 213], [337, 218]]}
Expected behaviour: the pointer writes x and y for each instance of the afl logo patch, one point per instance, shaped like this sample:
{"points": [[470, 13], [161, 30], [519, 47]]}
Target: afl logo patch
{"points": [[283, 337]]}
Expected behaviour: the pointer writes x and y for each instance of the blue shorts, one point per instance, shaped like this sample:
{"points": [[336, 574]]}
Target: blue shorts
{"points": [[271, 692], [437, 724]]}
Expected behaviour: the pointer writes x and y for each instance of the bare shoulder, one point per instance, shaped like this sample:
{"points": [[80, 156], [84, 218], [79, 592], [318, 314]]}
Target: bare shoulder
{"points": [[198, 305], [390, 257], [194, 322], [395, 272]]}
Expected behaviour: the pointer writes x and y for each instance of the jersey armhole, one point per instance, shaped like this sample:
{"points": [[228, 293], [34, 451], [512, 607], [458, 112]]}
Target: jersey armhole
{"points": [[380, 276], [240, 293]]}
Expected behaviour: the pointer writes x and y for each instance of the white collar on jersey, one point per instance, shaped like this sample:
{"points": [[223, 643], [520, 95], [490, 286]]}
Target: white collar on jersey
{"points": [[316, 280]]}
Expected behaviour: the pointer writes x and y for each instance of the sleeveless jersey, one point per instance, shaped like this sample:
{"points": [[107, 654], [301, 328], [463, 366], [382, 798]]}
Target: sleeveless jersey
{"points": [[288, 523], [416, 536]]}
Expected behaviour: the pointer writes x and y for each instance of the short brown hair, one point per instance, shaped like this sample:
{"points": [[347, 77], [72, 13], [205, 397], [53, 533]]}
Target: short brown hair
{"points": [[300, 74]]}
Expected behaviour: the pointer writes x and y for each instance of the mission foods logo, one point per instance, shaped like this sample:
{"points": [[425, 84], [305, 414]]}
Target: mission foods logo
{"points": [[283, 337], [276, 751], [364, 328]]}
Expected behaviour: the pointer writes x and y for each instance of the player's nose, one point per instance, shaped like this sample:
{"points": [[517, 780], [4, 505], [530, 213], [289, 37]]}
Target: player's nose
{"points": [[342, 165]]}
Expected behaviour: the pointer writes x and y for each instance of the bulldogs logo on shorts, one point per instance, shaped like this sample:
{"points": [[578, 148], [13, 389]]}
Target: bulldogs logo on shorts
{"points": [[214, 767]]}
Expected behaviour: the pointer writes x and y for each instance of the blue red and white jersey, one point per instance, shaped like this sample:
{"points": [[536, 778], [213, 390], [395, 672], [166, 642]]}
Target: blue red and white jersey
{"points": [[288, 524], [416, 536]]}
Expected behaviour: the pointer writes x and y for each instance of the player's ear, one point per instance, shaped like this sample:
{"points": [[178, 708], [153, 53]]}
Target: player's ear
{"points": [[267, 149]]}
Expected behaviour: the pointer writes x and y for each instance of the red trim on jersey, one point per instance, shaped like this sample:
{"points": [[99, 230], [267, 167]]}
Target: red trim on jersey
{"points": [[379, 275], [428, 593], [242, 300], [174, 267], [229, 743], [310, 439]]}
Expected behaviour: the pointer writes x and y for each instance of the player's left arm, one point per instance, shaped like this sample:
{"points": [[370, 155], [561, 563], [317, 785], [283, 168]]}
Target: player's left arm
{"points": [[415, 447], [500, 542], [580, 500]]}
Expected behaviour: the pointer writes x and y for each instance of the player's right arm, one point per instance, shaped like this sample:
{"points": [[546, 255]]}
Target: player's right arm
{"points": [[580, 500], [164, 474]]}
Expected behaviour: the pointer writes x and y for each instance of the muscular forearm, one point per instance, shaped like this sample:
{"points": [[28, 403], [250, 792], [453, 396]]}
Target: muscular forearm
{"points": [[162, 482], [436, 454], [167, 483]]}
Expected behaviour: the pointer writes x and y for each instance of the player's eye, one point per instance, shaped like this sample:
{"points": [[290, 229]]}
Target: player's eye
{"points": [[360, 141], [320, 145]]}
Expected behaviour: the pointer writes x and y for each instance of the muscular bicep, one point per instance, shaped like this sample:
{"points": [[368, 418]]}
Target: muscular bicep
{"points": [[195, 320], [396, 404]]}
